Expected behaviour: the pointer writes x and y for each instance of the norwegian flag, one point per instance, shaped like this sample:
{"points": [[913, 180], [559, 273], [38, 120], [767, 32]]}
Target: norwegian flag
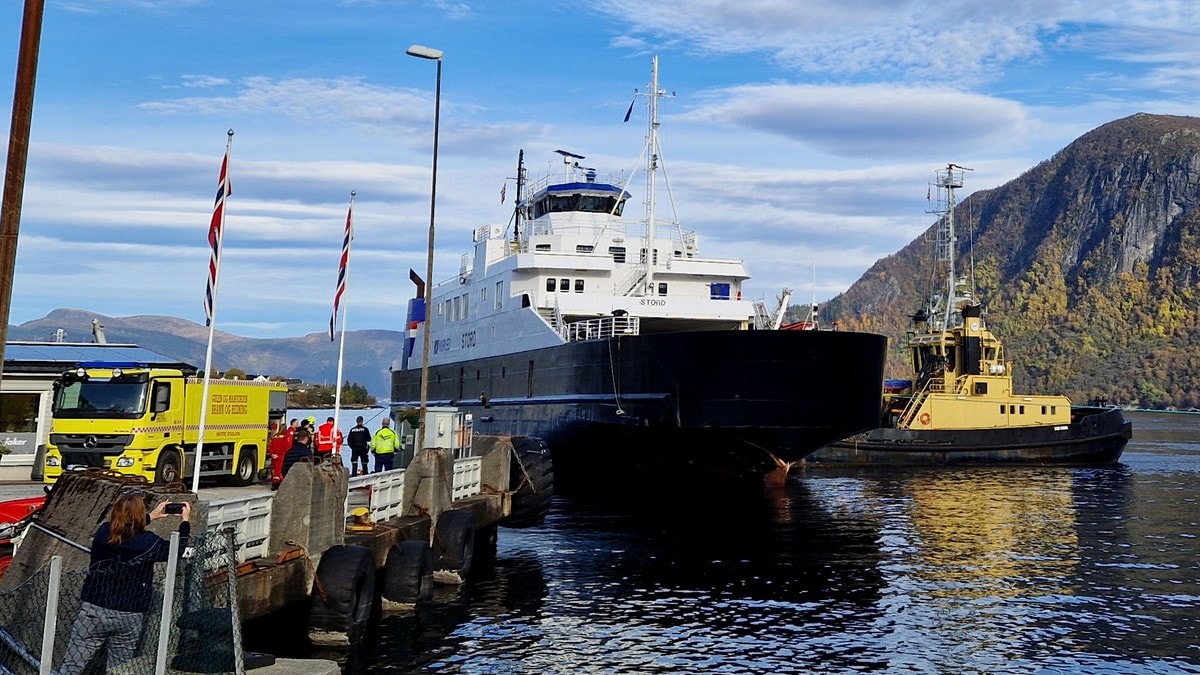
{"points": [[216, 230], [342, 265]]}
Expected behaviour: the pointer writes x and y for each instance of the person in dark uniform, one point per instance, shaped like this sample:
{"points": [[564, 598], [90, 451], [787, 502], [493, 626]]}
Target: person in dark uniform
{"points": [[359, 440], [300, 450]]}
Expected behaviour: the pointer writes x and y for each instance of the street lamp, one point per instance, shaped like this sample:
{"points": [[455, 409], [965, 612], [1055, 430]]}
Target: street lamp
{"points": [[422, 52]]}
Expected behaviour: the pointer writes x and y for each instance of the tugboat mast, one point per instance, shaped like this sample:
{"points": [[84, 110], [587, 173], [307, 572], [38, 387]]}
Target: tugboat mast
{"points": [[948, 180]]}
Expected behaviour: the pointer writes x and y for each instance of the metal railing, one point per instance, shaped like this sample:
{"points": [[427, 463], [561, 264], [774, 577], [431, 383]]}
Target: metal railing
{"points": [[382, 494], [603, 327]]}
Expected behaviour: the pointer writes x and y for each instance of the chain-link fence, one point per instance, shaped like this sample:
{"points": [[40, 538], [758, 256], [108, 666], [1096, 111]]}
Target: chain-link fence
{"points": [[110, 618]]}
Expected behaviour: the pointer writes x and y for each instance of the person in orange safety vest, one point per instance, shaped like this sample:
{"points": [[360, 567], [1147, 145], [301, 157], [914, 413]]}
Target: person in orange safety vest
{"points": [[329, 438]]}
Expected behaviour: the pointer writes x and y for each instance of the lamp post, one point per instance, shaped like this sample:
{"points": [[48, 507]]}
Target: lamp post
{"points": [[422, 52]]}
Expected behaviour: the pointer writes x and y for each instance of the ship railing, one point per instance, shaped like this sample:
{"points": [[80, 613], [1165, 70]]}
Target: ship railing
{"points": [[910, 411], [631, 282], [936, 385], [573, 175], [939, 385], [603, 327]]}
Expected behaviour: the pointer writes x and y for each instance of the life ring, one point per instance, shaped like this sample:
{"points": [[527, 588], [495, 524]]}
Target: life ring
{"points": [[925, 418]]}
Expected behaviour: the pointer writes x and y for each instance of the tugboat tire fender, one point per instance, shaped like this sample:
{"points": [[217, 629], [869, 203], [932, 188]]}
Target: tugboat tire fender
{"points": [[454, 544], [531, 480], [408, 572], [343, 593]]}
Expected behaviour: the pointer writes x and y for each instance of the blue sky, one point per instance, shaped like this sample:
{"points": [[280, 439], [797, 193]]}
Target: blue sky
{"points": [[800, 134]]}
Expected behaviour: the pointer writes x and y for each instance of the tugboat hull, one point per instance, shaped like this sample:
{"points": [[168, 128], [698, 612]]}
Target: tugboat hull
{"points": [[1095, 436], [713, 401]]}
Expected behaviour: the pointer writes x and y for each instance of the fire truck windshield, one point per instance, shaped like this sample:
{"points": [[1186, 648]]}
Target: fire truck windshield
{"points": [[100, 398]]}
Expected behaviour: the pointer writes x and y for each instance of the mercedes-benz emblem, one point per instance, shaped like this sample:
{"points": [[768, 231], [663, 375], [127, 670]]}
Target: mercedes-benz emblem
{"points": [[89, 442]]}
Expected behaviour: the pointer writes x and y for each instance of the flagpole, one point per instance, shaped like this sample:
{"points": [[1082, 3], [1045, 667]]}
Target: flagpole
{"points": [[343, 281], [215, 273]]}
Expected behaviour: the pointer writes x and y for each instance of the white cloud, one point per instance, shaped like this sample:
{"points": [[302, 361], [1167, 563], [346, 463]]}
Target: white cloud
{"points": [[867, 121], [324, 100]]}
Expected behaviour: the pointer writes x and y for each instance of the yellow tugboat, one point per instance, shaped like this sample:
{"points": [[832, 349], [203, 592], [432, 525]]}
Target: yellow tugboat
{"points": [[960, 407]]}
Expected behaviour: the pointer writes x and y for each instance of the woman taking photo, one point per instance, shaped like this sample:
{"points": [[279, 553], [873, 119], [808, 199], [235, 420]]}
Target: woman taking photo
{"points": [[120, 581]]}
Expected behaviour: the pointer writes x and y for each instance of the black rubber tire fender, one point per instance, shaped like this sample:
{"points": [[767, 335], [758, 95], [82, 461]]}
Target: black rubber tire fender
{"points": [[246, 469], [531, 480], [454, 542], [344, 592], [169, 468], [408, 572]]}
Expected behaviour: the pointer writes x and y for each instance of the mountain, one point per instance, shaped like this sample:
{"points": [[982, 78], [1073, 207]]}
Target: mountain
{"points": [[312, 358], [1088, 266]]}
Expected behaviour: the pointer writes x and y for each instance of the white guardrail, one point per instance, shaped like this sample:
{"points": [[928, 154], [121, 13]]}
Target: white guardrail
{"points": [[381, 493]]}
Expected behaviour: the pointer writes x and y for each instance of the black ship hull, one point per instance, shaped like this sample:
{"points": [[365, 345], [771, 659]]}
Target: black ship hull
{"points": [[1095, 436], [728, 402]]}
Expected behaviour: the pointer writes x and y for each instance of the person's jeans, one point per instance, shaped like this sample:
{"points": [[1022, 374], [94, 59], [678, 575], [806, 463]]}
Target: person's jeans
{"points": [[383, 461], [93, 627]]}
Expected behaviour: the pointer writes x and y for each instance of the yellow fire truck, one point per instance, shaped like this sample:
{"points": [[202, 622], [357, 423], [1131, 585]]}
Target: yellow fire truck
{"points": [[145, 421]]}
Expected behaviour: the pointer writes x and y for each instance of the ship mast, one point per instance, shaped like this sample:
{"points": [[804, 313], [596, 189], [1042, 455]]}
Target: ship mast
{"points": [[651, 171], [652, 164], [948, 180]]}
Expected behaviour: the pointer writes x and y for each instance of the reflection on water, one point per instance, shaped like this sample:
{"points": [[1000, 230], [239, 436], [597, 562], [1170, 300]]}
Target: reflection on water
{"points": [[982, 532], [1015, 570]]}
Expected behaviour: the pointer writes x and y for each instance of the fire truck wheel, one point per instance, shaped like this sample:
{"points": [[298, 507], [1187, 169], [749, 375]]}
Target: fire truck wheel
{"points": [[531, 480], [343, 594], [247, 468], [454, 543], [408, 572], [170, 467]]}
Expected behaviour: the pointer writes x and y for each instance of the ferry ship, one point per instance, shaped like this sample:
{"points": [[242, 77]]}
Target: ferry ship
{"points": [[959, 406], [618, 343]]}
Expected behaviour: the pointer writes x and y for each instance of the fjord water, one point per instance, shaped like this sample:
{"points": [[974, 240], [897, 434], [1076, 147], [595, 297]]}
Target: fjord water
{"points": [[989, 570]]}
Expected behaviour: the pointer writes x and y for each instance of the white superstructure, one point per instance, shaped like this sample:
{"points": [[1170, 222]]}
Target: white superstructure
{"points": [[570, 266]]}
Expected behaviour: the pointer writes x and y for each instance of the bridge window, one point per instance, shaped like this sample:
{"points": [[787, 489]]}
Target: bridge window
{"points": [[579, 285], [584, 248], [564, 285], [550, 284], [541, 247], [499, 295], [662, 289], [564, 203], [718, 291], [618, 253]]}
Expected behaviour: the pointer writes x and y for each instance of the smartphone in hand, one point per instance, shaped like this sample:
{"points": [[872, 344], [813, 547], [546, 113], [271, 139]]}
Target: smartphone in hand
{"points": [[174, 507]]}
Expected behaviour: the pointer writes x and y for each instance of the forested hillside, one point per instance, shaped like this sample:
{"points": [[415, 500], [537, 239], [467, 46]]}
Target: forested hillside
{"points": [[1088, 267]]}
